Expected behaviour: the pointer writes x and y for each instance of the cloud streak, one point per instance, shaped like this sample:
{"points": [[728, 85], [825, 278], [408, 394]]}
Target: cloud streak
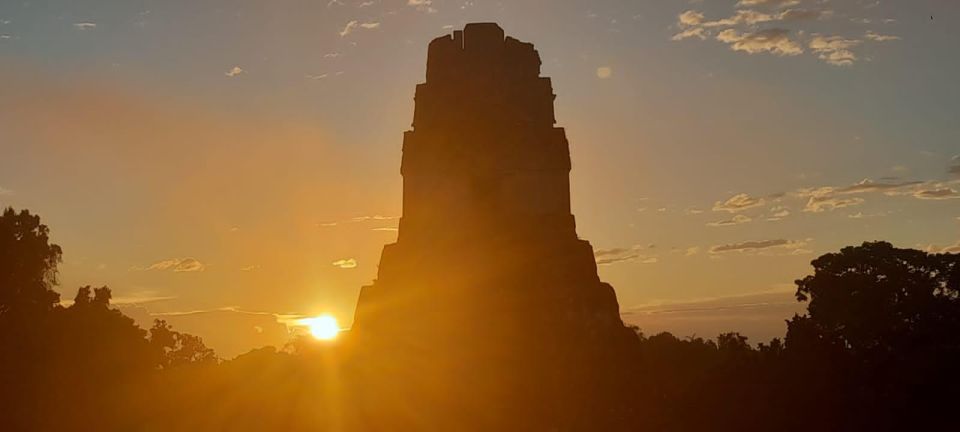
{"points": [[176, 265], [347, 263], [738, 203], [752, 246]]}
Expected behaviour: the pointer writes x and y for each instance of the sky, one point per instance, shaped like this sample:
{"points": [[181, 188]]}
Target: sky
{"points": [[232, 166]]}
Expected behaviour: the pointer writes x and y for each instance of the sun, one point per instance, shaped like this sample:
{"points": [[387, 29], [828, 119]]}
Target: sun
{"points": [[323, 327]]}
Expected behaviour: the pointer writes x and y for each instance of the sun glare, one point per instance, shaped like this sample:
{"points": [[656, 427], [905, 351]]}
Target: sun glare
{"points": [[323, 327]]}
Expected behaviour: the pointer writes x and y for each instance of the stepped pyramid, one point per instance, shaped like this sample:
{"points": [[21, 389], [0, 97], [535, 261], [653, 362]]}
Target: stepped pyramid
{"points": [[488, 312]]}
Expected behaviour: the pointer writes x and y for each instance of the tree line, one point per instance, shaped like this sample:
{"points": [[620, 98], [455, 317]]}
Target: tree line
{"points": [[877, 349]]}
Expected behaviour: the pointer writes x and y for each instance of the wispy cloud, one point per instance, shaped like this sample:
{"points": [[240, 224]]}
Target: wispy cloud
{"points": [[176, 265], [954, 167], [359, 219], [140, 297], [743, 30], [771, 3], [354, 24], [697, 32], [738, 203], [936, 193], [774, 41], [422, 5], [618, 255], [778, 213], [827, 202], [827, 198], [753, 246], [834, 50], [347, 29], [735, 220], [347, 263], [953, 248], [234, 71], [876, 37], [85, 25], [604, 72]]}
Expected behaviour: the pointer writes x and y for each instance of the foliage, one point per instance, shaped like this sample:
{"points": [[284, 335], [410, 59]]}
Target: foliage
{"points": [[876, 351], [28, 264]]}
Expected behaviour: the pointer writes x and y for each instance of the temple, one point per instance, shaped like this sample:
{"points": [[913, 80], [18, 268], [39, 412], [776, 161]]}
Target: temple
{"points": [[488, 286]]}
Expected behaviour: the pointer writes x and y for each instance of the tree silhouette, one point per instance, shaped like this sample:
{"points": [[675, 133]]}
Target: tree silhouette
{"points": [[878, 347], [28, 264], [875, 299], [179, 349]]}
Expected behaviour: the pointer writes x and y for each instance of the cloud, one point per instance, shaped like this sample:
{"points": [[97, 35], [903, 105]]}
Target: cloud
{"points": [[791, 15], [347, 263], [176, 265], [774, 40], [85, 25], [694, 19], [834, 50], [691, 251], [954, 248], [604, 72], [359, 219], [742, 30], [365, 4], [771, 3], [748, 17], [422, 5], [236, 70], [614, 260], [347, 29], [867, 185], [249, 268], [830, 198], [936, 193], [749, 246], [862, 215], [876, 37], [374, 218], [370, 25], [738, 203], [607, 252], [618, 255], [139, 297], [778, 213], [821, 203], [697, 32], [735, 220], [614, 255], [690, 18], [954, 167]]}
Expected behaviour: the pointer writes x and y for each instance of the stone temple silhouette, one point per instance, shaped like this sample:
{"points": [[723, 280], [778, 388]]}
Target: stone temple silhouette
{"points": [[488, 311]]}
